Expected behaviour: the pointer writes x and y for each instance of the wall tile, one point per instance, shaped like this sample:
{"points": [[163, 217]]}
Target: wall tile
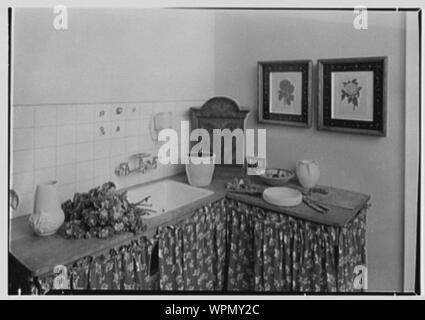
{"points": [[65, 154], [145, 143], [66, 135], [132, 111], [84, 186], [144, 127], [101, 168], [66, 114], [117, 147], [45, 116], [146, 110], [158, 107], [85, 171], [85, 113], [98, 181], [117, 112], [43, 175], [45, 157], [65, 143], [23, 182], [23, 139], [120, 182], [102, 149], [132, 127], [85, 151], [45, 137], [23, 161], [102, 113], [132, 144], [102, 130], [66, 192], [85, 132], [23, 117], [118, 129], [66, 174]]}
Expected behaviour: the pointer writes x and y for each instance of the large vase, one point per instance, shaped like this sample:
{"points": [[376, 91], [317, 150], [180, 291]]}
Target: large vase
{"points": [[200, 169], [48, 215], [308, 173]]}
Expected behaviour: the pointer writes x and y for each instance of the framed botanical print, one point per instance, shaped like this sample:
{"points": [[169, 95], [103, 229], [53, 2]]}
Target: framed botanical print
{"points": [[284, 92], [352, 95]]}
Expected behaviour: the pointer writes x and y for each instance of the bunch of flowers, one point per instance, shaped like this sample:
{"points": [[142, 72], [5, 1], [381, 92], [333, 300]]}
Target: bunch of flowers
{"points": [[101, 213]]}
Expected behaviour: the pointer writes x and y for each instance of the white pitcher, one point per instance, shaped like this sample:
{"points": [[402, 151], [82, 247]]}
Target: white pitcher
{"points": [[48, 215], [308, 173]]}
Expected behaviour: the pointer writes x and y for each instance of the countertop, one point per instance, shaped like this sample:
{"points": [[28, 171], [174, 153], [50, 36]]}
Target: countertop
{"points": [[40, 254]]}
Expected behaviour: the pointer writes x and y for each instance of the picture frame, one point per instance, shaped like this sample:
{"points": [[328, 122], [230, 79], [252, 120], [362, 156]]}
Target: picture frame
{"points": [[352, 95], [285, 92]]}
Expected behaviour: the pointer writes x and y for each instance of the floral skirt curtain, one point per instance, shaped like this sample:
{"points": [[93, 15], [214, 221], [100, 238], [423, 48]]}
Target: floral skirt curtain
{"points": [[123, 268], [192, 255], [274, 252], [240, 273], [229, 245]]}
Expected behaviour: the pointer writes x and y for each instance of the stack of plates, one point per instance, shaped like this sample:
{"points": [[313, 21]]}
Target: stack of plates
{"points": [[282, 196]]}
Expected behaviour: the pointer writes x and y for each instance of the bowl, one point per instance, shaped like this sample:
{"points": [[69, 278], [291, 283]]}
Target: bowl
{"points": [[276, 177], [282, 196]]}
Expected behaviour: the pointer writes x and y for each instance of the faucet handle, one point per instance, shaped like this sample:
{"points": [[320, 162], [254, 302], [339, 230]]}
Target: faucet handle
{"points": [[123, 169], [154, 162]]}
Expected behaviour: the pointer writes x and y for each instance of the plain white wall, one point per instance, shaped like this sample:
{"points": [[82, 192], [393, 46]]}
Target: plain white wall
{"points": [[363, 163], [113, 55]]}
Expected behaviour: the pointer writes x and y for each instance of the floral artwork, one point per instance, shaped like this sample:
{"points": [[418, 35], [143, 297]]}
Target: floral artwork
{"points": [[352, 95], [286, 92], [351, 91]]}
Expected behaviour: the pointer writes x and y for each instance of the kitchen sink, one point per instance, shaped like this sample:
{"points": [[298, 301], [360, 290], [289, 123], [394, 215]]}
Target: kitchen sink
{"points": [[167, 195]]}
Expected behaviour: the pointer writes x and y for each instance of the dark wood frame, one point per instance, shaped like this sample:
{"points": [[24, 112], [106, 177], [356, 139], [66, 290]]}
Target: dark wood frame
{"points": [[219, 113], [378, 65], [267, 67]]}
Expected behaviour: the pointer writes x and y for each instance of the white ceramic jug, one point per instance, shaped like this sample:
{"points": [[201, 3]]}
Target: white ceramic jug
{"points": [[308, 173], [48, 215]]}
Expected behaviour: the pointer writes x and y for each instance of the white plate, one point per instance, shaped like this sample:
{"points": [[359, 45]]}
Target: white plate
{"points": [[282, 196]]}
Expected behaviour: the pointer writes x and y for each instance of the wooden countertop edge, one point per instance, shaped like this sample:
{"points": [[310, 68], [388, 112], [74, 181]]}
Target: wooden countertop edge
{"points": [[177, 216], [252, 200]]}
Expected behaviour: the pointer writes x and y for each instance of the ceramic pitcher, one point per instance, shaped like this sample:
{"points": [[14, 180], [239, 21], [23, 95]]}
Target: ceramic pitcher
{"points": [[48, 215], [308, 173]]}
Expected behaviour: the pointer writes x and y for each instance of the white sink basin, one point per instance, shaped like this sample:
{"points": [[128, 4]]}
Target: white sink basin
{"points": [[167, 195]]}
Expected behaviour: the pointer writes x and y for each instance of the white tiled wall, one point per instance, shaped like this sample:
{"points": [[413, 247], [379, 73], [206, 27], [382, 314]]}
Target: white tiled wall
{"points": [[80, 145]]}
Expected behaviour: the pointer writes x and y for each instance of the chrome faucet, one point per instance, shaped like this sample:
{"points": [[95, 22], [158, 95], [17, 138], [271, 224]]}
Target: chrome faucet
{"points": [[123, 169]]}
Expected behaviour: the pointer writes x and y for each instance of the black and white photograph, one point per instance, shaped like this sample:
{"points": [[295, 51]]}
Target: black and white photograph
{"points": [[220, 150]]}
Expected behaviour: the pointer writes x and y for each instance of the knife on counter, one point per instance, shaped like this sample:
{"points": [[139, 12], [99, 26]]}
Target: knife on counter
{"points": [[319, 208]]}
